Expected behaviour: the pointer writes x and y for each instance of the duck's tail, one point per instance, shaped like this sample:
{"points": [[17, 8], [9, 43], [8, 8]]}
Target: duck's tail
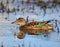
{"points": [[48, 21]]}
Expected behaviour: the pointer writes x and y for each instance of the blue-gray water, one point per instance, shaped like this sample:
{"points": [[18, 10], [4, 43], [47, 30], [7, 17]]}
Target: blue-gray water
{"points": [[7, 29]]}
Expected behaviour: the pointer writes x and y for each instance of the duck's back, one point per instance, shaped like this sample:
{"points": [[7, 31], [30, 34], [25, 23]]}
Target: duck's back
{"points": [[32, 25]]}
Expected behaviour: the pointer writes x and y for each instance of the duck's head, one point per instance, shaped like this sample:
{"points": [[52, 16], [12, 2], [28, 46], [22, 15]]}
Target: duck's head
{"points": [[20, 22]]}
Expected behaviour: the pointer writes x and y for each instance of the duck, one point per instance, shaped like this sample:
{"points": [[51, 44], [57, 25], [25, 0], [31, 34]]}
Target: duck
{"points": [[32, 28]]}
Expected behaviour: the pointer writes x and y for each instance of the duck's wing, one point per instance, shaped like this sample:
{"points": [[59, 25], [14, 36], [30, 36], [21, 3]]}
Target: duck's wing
{"points": [[29, 25], [36, 23], [33, 23]]}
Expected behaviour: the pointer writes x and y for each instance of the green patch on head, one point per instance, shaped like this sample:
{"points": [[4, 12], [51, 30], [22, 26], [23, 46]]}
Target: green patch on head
{"points": [[40, 25]]}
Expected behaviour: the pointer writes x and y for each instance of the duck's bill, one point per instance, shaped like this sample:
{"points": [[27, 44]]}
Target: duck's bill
{"points": [[13, 23]]}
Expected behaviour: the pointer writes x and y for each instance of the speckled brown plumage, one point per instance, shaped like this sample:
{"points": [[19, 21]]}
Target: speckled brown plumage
{"points": [[32, 28]]}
